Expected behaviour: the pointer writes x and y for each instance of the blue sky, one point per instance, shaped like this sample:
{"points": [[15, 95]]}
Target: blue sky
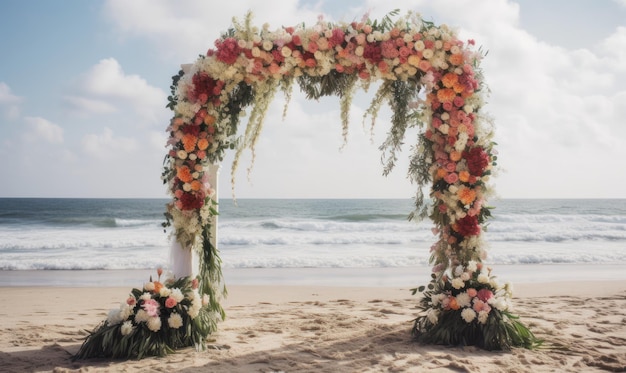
{"points": [[83, 87]]}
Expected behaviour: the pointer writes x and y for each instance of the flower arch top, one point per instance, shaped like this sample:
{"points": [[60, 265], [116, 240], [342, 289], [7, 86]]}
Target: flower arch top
{"points": [[430, 79]]}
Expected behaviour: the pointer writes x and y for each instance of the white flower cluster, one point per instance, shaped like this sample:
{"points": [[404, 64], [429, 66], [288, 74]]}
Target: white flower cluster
{"points": [[481, 294]]}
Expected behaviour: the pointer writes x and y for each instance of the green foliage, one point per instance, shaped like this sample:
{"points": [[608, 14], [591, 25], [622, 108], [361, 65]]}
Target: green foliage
{"points": [[107, 340], [172, 99], [386, 23]]}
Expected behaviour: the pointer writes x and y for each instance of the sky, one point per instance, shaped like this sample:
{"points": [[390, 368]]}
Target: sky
{"points": [[84, 84]]}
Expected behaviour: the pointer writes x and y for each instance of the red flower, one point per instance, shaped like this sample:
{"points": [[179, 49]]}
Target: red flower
{"points": [[227, 50], [484, 294], [373, 53], [468, 226], [477, 160], [191, 129], [337, 38], [192, 201]]}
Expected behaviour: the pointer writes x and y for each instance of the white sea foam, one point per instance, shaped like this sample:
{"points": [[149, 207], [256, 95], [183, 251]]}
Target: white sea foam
{"points": [[309, 234]]}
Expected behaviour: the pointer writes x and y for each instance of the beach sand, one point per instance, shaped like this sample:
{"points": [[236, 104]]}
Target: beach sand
{"points": [[274, 328]]}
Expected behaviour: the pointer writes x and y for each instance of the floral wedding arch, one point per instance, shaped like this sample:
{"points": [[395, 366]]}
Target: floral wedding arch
{"points": [[428, 77]]}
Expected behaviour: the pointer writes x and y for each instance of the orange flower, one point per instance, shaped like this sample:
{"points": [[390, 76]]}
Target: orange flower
{"points": [[456, 59], [459, 88], [189, 142], [209, 119], [445, 95], [453, 305], [441, 173], [464, 176], [466, 195], [455, 156], [203, 144], [184, 174], [196, 185], [449, 80], [157, 287]]}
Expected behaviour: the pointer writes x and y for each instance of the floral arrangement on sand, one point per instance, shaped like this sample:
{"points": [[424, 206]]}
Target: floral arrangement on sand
{"points": [[153, 321]]}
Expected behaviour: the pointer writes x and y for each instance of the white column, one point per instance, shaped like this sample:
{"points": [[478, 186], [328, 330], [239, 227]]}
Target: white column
{"points": [[181, 260]]}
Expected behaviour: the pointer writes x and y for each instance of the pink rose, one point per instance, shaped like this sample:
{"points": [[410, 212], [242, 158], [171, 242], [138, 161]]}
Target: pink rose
{"points": [[478, 305], [451, 178], [170, 302], [472, 292], [151, 307]]}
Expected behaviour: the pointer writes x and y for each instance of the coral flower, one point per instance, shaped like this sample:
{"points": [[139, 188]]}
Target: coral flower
{"points": [[184, 174], [464, 176], [157, 287], [209, 120], [449, 80], [453, 305], [196, 185], [455, 156], [203, 144], [189, 142], [466, 195], [456, 59], [446, 95]]}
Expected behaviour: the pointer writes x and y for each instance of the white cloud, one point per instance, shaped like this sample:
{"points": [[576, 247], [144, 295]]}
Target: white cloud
{"points": [[43, 129], [615, 47], [183, 29], [106, 88], [106, 146], [88, 106], [621, 2], [9, 101]]}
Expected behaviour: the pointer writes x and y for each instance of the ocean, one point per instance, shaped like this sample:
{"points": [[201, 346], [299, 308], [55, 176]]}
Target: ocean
{"points": [[119, 234]]}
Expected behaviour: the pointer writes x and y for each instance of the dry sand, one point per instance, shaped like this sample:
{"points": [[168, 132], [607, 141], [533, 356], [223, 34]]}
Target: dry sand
{"points": [[322, 329]]}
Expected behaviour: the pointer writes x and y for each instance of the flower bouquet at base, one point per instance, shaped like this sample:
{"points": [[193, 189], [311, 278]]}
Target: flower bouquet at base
{"points": [[469, 308], [154, 321]]}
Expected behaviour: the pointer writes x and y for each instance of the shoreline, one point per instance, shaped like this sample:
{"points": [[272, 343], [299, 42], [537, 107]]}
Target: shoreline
{"points": [[342, 277]]}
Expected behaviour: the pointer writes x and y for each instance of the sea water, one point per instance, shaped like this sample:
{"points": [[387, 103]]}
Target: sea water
{"points": [[109, 234]]}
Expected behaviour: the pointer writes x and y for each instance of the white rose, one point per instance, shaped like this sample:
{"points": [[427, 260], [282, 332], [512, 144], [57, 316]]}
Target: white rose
{"points": [[482, 317], [127, 328], [175, 321], [458, 283], [164, 292], [468, 315], [181, 154], [433, 316], [141, 316], [268, 45], [177, 295], [472, 266], [483, 278], [154, 323]]}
